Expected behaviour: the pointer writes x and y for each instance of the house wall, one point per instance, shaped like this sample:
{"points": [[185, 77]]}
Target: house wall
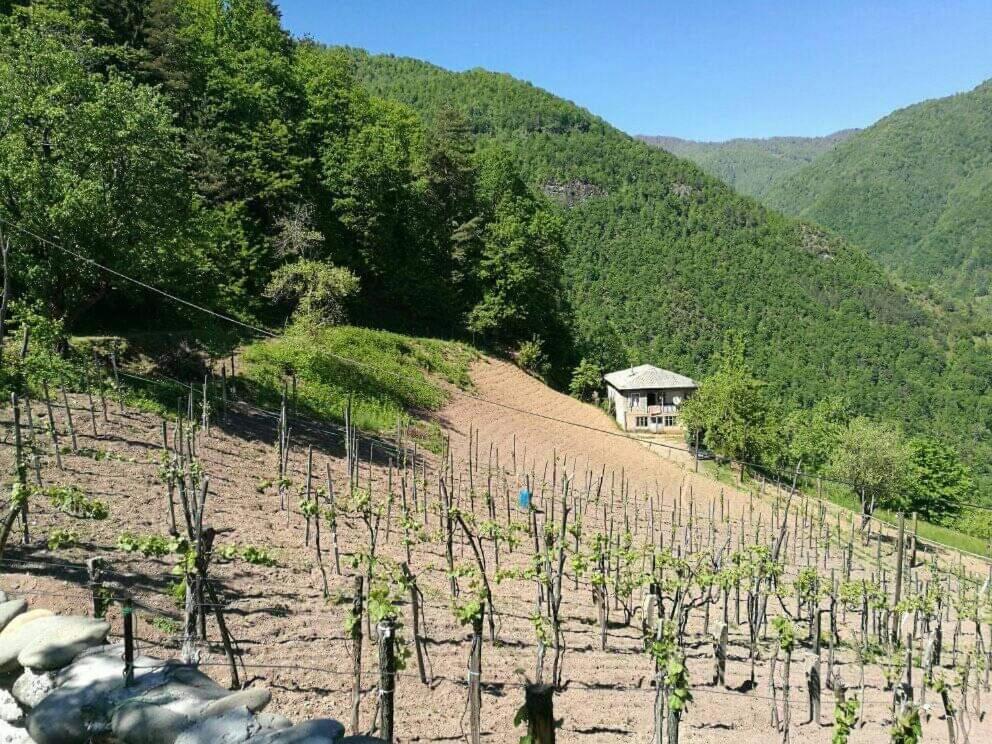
{"points": [[631, 404]]}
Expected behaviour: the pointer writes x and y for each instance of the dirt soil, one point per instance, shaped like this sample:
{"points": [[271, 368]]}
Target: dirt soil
{"points": [[294, 641]]}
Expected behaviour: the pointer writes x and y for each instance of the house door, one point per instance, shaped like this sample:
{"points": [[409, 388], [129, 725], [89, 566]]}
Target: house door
{"points": [[652, 399]]}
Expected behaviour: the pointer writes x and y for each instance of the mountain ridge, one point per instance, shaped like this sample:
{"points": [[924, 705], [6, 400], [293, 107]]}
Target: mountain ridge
{"points": [[751, 165], [913, 190], [669, 260]]}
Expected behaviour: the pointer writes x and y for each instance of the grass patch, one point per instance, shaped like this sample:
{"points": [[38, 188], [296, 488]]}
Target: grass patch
{"points": [[395, 377]]}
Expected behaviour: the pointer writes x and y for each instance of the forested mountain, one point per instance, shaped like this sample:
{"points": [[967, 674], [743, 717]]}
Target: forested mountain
{"points": [[751, 165], [198, 146], [195, 145], [914, 190], [664, 260]]}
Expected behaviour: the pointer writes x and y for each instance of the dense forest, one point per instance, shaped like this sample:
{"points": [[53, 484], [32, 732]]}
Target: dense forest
{"points": [[914, 190], [664, 261], [195, 145], [751, 165]]}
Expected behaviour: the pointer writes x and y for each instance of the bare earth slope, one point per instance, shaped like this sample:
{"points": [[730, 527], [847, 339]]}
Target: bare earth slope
{"points": [[294, 641]]}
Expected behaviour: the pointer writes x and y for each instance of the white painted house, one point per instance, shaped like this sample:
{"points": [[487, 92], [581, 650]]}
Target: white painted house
{"points": [[647, 398]]}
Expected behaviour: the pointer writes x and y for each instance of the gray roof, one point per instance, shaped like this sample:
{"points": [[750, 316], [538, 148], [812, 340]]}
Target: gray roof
{"points": [[647, 376]]}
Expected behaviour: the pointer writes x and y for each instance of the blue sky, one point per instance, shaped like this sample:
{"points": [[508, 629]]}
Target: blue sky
{"points": [[695, 69]]}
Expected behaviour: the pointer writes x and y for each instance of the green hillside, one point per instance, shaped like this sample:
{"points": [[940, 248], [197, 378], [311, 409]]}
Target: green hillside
{"points": [[751, 166], [663, 260], [914, 190]]}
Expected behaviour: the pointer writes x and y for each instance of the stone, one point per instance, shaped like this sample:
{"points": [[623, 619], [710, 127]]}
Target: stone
{"points": [[65, 639], [317, 731], [3, 596], [86, 693], [11, 609], [233, 727], [32, 687], [254, 700], [50, 642], [23, 619], [137, 722], [12, 735], [10, 711], [273, 721], [361, 739]]}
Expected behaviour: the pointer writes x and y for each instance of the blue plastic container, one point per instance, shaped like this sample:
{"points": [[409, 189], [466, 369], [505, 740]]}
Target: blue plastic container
{"points": [[524, 499]]}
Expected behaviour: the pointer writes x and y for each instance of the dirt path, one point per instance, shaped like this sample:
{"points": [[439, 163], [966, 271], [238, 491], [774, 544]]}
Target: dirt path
{"points": [[595, 444]]}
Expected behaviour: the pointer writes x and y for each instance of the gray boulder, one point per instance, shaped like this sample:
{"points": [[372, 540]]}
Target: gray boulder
{"points": [[254, 700], [50, 642], [318, 731], [88, 692], [273, 721], [11, 609], [23, 619], [137, 722], [13, 735], [233, 727], [10, 711], [32, 687]]}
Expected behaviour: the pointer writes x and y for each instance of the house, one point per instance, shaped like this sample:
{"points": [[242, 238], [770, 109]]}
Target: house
{"points": [[647, 398]]}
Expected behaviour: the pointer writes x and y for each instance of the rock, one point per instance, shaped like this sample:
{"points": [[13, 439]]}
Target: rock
{"points": [[318, 731], [10, 711], [86, 693], [233, 727], [254, 700], [273, 721], [13, 735], [23, 619], [361, 739], [65, 638], [50, 642], [3, 596], [11, 609], [31, 687], [137, 722]]}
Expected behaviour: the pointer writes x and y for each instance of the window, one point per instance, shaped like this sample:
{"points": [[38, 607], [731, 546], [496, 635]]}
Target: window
{"points": [[641, 421], [656, 419], [669, 421], [635, 400]]}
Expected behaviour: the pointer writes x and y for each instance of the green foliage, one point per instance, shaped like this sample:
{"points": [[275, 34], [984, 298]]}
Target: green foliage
{"points": [[730, 409], [531, 357], [845, 716], [396, 373], [152, 546], [319, 290], [587, 379], [907, 728], [62, 537], [751, 166], [71, 500], [785, 631], [912, 189], [257, 556], [940, 482], [874, 459]]}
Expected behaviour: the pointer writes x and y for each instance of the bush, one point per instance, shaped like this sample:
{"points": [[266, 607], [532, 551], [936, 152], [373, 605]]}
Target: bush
{"points": [[531, 358], [587, 379]]}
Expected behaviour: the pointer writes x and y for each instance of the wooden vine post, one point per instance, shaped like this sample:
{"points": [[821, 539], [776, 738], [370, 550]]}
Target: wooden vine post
{"points": [[356, 639], [475, 679], [539, 709], [387, 678]]}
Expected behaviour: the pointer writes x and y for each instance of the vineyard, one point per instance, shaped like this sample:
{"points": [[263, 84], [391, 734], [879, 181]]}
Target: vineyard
{"points": [[529, 578]]}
